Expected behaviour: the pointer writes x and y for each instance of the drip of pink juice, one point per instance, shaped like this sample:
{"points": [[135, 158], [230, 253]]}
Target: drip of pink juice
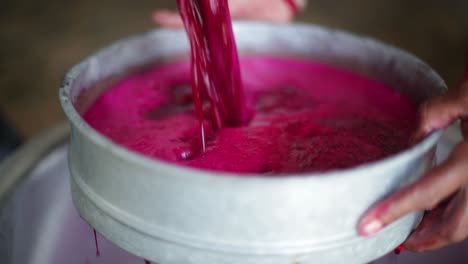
{"points": [[215, 65], [96, 243], [399, 249], [306, 117]]}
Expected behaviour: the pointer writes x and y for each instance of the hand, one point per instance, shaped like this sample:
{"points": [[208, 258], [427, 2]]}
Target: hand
{"points": [[443, 192], [266, 10]]}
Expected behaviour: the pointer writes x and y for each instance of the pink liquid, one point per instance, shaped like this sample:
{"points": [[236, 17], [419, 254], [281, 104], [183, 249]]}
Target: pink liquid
{"points": [[215, 65], [305, 117]]}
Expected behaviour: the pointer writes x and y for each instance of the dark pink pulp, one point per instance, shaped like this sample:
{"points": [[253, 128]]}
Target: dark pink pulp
{"points": [[304, 117]]}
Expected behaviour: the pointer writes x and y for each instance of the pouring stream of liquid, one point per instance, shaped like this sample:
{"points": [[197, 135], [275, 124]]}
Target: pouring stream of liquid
{"points": [[215, 64]]}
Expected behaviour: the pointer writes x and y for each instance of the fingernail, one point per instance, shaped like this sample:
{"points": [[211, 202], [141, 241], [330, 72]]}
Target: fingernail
{"points": [[372, 227]]}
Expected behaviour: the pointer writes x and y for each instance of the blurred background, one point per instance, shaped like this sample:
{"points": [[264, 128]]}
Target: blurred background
{"points": [[41, 40]]}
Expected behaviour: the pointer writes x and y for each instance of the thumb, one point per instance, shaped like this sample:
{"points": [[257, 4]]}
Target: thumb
{"points": [[427, 193]]}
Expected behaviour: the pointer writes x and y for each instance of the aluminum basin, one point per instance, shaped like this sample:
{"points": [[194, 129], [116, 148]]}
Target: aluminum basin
{"points": [[171, 214]]}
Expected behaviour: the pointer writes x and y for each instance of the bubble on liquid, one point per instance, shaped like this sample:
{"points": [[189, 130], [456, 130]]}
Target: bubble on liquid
{"points": [[184, 153]]}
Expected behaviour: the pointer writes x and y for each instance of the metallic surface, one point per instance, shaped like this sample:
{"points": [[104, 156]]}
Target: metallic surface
{"points": [[171, 214], [40, 225]]}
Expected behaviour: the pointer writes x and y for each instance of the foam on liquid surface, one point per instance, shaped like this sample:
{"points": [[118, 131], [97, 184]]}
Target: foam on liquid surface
{"points": [[304, 117]]}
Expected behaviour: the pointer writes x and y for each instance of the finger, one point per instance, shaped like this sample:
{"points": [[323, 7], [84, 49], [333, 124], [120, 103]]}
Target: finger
{"points": [[167, 18], [440, 112], [426, 193], [443, 226]]}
